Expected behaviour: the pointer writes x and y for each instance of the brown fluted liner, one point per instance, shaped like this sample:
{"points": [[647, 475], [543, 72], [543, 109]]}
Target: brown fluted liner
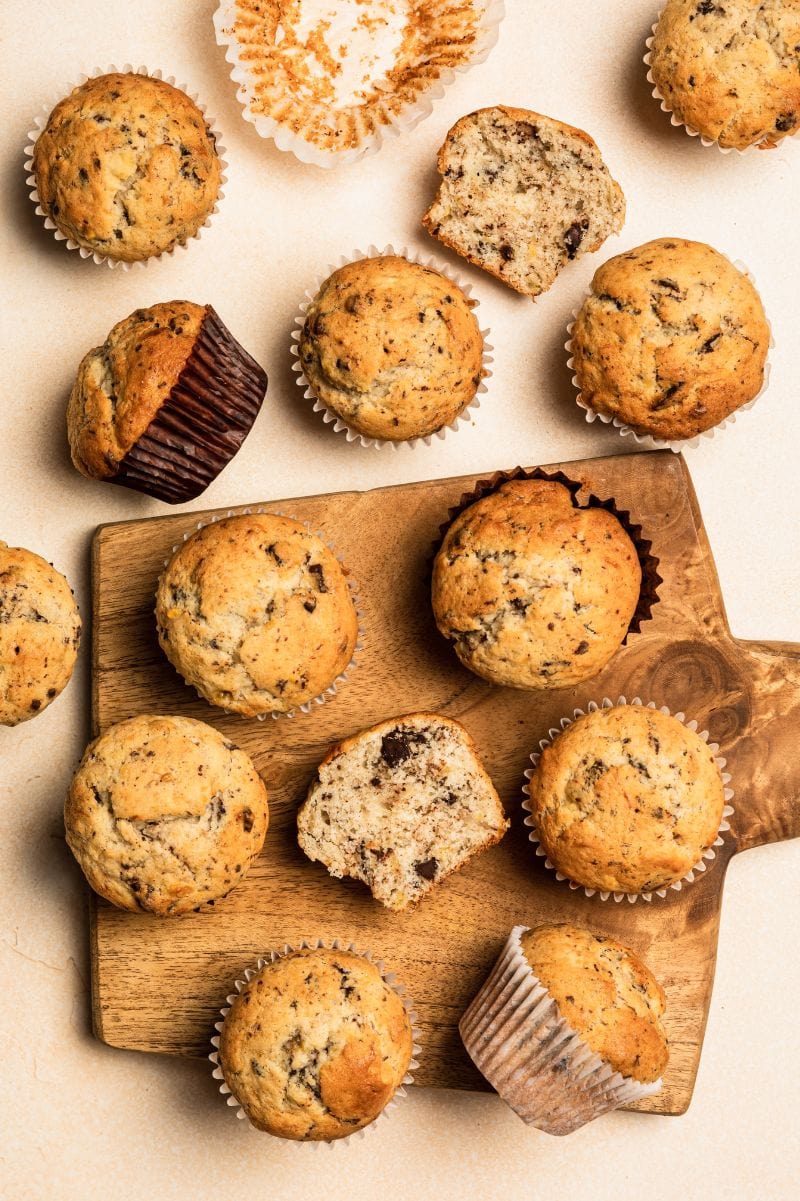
{"points": [[203, 422], [651, 580]]}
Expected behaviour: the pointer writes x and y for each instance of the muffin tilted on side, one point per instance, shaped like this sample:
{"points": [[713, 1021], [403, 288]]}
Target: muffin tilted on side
{"points": [[400, 806], [254, 612], [127, 167], [315, 1045], [626, 799], [522, 195], [567, 1027], [671, 340], [533, 591], [165, 815], [730, 69], [392, 348], [165, 403], [40, 629]]}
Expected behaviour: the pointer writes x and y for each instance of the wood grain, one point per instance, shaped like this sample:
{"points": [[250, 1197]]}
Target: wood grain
{"points": [[157, 984]]}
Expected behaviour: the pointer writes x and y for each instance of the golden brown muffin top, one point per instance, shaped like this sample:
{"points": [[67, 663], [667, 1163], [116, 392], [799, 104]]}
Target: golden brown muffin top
{"points": [[254, 611], [122, 384], [164, 814], [392, 347], [671, 340], [626, 799], [40, 630], [127, 166], [532, 591], [605, 993], [316, 1045], [730, 69]]}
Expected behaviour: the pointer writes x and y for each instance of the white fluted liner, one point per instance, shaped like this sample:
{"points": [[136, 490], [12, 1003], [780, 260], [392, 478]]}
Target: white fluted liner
{"points": [[333, 688], [649, 441], [329, 416], [336, 945], [377, 122], [517, 1038], [39, 123], [697, 868]]}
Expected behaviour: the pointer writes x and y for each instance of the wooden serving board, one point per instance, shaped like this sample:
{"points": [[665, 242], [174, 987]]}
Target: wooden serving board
{"points": [[157, 984]]}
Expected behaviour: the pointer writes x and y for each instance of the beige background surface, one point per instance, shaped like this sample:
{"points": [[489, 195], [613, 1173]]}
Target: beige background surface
{"points": [[84, 1121]]}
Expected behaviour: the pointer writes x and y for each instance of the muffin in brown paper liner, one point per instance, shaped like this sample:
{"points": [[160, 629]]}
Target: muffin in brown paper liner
{"points": [[648, 562], [202, 423]]}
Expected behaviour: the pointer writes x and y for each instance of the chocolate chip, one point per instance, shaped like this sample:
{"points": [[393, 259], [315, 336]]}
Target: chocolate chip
{"points": [[398, 745], [707, 6], [51, 692], [316, 569], [507, 252], [36, 705], [669, 285], [270, 550], [710, 344], [248, 820], [310, 605], [574, 236], [582, 648], [427, 868], [785, 122], [84, 174]]}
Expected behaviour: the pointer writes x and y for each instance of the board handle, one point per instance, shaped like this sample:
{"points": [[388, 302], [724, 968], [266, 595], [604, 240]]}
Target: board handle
{"points": [[770, 756]]}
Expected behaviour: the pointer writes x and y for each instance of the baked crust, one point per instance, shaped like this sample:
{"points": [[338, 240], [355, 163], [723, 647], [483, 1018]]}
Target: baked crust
{"points": [[626, 800], [672, 339], [315, 1045], [605, 993], [532, 591]]}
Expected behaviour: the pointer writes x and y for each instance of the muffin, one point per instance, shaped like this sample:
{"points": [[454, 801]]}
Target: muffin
{"points": [[567, 1027], [392, 348], [626, 799], [315, 1045], [164, 815], [532, 591], [522, 195], [165, 403], [255, 613], [400, 806], [730, 71], [127, 167], [671, 339], [40, 629]]}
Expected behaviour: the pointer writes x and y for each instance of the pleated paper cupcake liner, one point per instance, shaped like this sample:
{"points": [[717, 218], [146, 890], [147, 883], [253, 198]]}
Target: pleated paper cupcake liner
{"points": [[675, 120], [648, 562], [329, 416], [203, 422], [389, 978], [697, 869], [650, 441], [341, 679], [348, 46], [39, 123], [516, 1037]]}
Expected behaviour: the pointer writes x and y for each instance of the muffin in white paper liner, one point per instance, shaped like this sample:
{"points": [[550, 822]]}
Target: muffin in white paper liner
{"points": [[332, 418], [40, 121], [320, 944], [698, 868], [333, 688], [676, 121], [328, 96], [516, 1037], [650, 441]]}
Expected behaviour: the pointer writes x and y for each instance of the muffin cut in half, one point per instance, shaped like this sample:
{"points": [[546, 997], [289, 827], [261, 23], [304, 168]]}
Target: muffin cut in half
{"points": [[522, 195], [400, 806]]}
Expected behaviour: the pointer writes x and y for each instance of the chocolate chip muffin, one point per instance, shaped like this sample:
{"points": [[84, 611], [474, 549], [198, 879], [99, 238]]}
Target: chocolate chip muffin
{"points": [[730, 70], [315, 1045], [40, 629], [533, 591], [164, 815], [567, 1027], [626, 799], [255, 613], [522, 195], [605, 993], [392, 347], [165, 403], [127, 167], [671, 340], [400, 806]]}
